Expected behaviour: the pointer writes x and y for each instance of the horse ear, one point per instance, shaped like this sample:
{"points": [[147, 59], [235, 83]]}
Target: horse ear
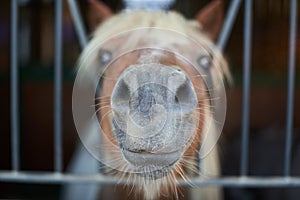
{"points": [[98, 12], [211, 18]]}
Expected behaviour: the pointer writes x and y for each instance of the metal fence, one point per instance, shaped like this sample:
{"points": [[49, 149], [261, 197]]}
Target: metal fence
{"points": [[60, 177]]}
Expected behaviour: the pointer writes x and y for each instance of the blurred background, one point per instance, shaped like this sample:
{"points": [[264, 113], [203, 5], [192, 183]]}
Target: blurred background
{"points": [[36, 58]]}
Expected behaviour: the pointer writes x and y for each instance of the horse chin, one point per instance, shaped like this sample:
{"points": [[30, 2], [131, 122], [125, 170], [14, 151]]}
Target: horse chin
{"points": [[151, 166]]}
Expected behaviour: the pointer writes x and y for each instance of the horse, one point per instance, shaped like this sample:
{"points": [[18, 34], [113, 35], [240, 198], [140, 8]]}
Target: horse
{"points": [[158, 78]]}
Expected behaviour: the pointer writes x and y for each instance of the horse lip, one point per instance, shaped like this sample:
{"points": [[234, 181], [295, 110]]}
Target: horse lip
{"points": [[146, 158]]}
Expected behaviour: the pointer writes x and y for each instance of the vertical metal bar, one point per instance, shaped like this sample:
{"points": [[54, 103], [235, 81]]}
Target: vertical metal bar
{"points": [[227, 27], [246, 86], [81, 33], [291, 87], [58, 87], [14, 83]]}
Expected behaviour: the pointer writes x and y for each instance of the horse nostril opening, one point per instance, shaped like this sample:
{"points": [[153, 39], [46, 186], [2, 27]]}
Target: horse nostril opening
{"points": [[121, 93], [185, 96]]}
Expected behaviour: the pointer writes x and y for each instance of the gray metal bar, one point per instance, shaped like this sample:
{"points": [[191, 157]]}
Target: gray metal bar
{"points": [[291, 87], [227, 27], [14, 83], [81, 33], [230, 181], [246, 86], [58, 88]]}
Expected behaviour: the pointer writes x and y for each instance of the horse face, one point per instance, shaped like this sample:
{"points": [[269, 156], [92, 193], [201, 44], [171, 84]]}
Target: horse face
{"points": [[155, 108]]}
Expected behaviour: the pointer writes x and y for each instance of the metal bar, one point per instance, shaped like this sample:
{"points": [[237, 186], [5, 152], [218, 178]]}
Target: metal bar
{"points": [[14, 82], [81, 33], [227, 27], [291, 87], [58, 88], [246, 86], [230, 181]]}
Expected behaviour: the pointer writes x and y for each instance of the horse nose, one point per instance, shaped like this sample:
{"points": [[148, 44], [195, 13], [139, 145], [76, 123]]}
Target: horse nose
{"points": [[148, 101]]}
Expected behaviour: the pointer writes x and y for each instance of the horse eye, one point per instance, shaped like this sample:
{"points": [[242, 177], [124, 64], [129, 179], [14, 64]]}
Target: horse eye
{"points": [[104, 56], [205, 61]]}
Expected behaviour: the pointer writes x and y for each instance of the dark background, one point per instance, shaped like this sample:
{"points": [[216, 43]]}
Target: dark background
{"points": [[268, 92]]}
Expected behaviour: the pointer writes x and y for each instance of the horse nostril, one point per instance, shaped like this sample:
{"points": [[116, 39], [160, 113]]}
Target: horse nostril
{"points": [[121, 94], [125, 86], [182, 93], [185, 96]]}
